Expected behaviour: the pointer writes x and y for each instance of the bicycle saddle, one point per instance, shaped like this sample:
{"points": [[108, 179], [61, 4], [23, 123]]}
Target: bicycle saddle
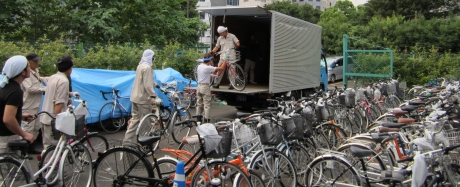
{"points": [[392, 125], [406, 120], [409, 108], [148, 140], [242, 114], [399, 112], [416, 103], [360, 152], [18, 144], [381, 137]]}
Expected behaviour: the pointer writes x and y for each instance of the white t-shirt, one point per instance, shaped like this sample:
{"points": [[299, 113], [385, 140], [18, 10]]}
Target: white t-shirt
{"points": [[204, 73]]}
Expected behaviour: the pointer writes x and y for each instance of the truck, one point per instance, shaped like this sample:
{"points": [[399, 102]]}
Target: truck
{"points": [[290, 50]]}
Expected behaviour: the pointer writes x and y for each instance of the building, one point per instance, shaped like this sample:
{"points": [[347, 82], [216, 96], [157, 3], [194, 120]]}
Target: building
{"points": [[318, 4]]}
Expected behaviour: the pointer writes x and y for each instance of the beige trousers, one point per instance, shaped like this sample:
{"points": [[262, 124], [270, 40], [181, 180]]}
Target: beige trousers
{"points": [[34, 126], [4, 142], [138, 111], [203, 100], [48, 138]]}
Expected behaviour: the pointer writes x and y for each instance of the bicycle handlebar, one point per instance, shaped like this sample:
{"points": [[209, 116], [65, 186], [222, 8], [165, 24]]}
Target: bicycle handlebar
{"points": [[114, 91], [44, 112]]}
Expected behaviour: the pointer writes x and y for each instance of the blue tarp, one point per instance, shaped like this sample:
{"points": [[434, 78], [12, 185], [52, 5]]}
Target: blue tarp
{"points": [[90, 82]]}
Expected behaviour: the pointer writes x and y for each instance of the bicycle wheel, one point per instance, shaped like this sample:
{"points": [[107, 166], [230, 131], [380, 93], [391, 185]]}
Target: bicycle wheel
{"points": [[374, 164], [111, 118], [150, 126], [192, 101], [165, 114], [180, 131], [224, 172], [236, 76], [96, 144], [111, 167], [275, 167], [330, 170], [45, 158], [299, 156], [256, 179], [167, 167], [12, 174], [75, 172]]}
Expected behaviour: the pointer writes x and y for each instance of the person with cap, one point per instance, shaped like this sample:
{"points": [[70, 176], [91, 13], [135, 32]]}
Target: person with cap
{"points": [[56, 99], [33, 89], [203, 93], [142, 95], [14, 72], [225, 41]]}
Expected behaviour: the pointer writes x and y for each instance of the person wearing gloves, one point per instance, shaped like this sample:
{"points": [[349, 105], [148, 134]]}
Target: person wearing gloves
{"points": [[142, 96], [56, 99], [33, 90], [13, 74], [203, 93], [225, 41]]}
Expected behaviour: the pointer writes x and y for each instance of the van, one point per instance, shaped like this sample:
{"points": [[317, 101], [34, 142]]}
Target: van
{"points": [[335, 67]]}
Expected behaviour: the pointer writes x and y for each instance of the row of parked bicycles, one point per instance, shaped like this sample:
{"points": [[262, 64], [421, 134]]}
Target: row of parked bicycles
{"points": [[368, 136]]}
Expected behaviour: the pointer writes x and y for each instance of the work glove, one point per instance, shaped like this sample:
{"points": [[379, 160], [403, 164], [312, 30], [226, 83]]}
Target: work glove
{"points": [[75, 94]]}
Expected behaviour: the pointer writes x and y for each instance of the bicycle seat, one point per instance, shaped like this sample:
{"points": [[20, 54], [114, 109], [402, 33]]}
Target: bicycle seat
{"points": [[360, 152], [433, 91], [399, 112], [409, 108], [275, 109], [392, 125], [406, 120], [15, 144], [242, 114], [381, 137], [416, 103], [440, 87], [386, 129], [148, 140]]}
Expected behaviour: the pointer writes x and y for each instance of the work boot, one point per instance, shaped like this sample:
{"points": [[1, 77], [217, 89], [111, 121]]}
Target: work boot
{"points": [[33, 150], [231, 87], [216, 86]]}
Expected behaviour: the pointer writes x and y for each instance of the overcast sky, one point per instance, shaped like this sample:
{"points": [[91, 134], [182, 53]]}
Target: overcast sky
{"points": [[358, 2]]}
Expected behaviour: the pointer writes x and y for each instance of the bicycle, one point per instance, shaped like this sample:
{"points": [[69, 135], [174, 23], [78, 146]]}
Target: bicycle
{"points": [[15, 170], [139, 171], [235, 73], [112, 114]]}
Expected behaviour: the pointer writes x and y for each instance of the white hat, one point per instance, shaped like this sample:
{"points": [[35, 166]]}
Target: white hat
{"points": [[221, 29], [13, 66]]}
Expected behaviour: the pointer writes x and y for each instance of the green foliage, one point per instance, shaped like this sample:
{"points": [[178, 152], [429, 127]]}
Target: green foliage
{"points": [[177, 57], [304, 12]]}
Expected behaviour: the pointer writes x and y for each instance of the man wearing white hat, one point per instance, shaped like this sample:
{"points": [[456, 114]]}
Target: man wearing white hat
{"points": [[225, 41], [14, 72]]}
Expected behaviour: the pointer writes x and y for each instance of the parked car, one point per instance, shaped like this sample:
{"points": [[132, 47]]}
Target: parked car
{"points": [[335, 67]]}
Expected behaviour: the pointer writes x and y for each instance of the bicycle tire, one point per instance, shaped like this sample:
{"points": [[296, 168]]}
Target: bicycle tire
{"points": [[43, 160], [232, 175], [374, 162], [99, 144], [167, 167], [236, 76], [185, 99], [115, 118], [325, 162], [165, 114], [104, 175], [290, 176], [181, 131], [192, 101], [150, 125], [256, 179], [336, 135], [299, 155], [6, 167], [83, 158]]}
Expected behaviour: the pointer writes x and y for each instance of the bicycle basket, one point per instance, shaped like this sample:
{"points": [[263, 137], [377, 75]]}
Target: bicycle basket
{"points": [[291, 129], [231, 56], [270, 133], [384, 89], [79, 128], [453, 137], [350, 98], [392, 88], [307, 115], [223, 147], [321, 113], [342, 99], [243, 134]]}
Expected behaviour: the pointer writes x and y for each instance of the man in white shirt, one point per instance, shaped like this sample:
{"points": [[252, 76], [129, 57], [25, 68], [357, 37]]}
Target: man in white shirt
{"points": [[225, 41], [203, 93]]}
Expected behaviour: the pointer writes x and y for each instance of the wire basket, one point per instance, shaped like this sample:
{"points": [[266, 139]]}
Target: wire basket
{"points": [[270, 133], [392, 88], [223, 147], [293, 127], [231, 56], [79, 128], [243, 134], [350, 98], [342, 99], [453, 137]]}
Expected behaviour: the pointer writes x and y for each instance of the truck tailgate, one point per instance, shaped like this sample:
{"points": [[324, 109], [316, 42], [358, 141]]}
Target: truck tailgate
{"points": [[250, 89]]}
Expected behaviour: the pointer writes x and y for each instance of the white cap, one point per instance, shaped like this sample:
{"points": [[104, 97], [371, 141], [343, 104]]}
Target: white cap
{"points": [[221, 29]]}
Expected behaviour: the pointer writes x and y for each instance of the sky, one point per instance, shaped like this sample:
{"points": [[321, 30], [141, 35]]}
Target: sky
{"points": [[358, 2]]}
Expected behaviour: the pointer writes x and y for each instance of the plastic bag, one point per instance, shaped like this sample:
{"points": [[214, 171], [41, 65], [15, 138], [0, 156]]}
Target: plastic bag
{"points": [[81, 110], [419, 170], [65, 122]]}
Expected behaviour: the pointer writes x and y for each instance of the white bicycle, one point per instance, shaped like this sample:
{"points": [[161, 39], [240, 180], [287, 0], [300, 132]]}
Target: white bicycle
{"points": [[71, 161]]}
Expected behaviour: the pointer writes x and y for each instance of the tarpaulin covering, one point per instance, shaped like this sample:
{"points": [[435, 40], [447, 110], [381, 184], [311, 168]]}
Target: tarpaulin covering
{"points": [[90, 82]]}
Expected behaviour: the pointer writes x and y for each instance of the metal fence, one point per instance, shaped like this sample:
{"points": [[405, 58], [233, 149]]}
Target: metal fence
{"points": [[365, 63]]}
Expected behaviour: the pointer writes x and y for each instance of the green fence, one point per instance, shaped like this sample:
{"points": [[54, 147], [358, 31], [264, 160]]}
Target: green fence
{"points": [[365, 63]]}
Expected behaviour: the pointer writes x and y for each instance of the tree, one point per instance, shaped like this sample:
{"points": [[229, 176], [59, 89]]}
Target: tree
{"points": [[407, 8], [305, 12], [335, 24]]}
